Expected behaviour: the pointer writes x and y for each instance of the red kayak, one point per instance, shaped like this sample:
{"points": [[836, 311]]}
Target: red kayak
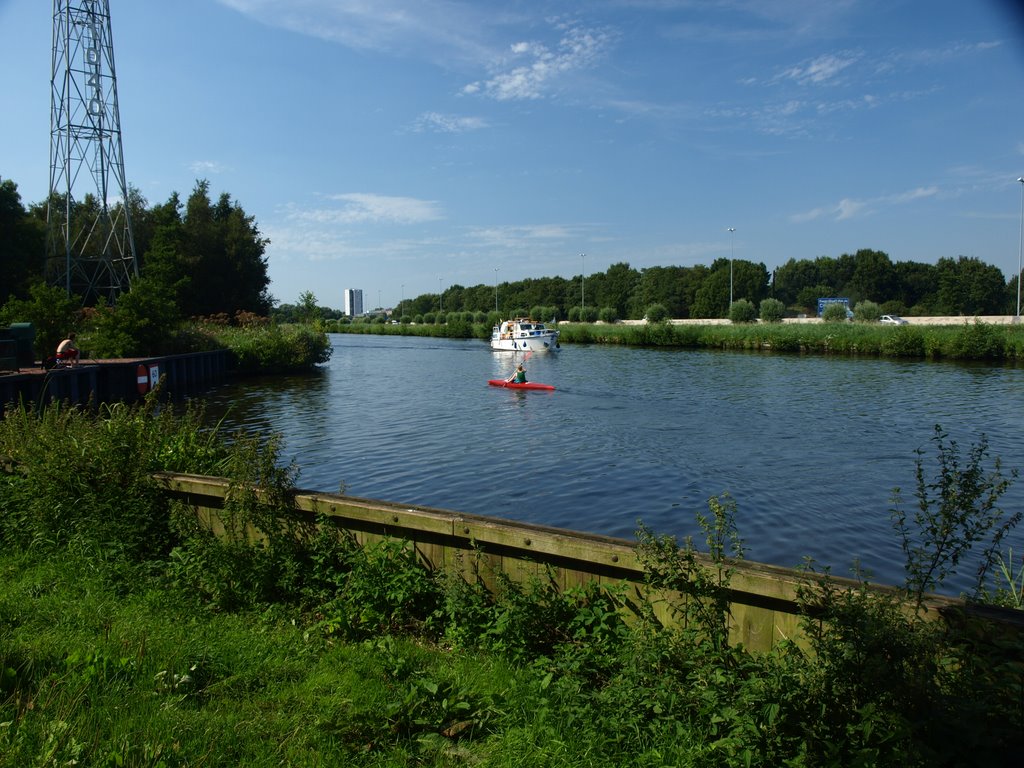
{"points": [[513, 385]]}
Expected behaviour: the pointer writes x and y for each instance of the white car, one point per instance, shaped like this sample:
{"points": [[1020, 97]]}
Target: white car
{"points": [[892, 320]]}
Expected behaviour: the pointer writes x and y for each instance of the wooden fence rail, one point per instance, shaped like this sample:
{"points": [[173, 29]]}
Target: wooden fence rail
{"points": [[763, 604]]}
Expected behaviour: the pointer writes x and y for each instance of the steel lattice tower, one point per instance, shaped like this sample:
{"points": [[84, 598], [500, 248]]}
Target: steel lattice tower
{"points": [[90, 250]]}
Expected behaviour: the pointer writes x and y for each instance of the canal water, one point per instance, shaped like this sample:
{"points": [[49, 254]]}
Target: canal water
{"points": [[810, 448]]}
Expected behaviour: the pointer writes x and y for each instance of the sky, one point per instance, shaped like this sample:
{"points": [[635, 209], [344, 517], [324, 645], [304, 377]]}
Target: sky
{"points": [[403, 146]]}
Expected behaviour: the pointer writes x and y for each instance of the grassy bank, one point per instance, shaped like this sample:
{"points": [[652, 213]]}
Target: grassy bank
{"points": [[967, 341], [131, 637]]}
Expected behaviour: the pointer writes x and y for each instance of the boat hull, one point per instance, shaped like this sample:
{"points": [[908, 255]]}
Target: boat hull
{"points": [[523, 335], [528, 344], [525, 385]]}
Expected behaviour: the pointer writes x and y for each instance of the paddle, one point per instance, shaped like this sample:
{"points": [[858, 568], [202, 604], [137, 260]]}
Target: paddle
{"points": [[525, 358]]}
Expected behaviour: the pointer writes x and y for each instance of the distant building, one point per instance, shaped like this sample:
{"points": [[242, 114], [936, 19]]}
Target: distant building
{"points": [[353, 302]]}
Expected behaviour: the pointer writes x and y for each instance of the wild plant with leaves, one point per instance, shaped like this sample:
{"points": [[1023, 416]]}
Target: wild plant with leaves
{"points": [[955, 511]]}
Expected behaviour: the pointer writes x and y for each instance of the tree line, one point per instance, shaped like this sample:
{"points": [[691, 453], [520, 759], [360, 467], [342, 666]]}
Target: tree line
{"points": [[951, 287], [208, 258]]}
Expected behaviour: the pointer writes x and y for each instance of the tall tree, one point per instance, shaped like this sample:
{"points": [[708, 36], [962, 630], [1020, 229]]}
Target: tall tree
{"points": [[224, 253], [22, 245], [874, 277], [968, 286]]}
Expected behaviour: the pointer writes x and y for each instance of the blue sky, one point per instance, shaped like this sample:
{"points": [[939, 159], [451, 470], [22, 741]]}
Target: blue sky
{"points": [[399, 146]]}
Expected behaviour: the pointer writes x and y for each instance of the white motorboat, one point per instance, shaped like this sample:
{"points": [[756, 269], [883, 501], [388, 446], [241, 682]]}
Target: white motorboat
{"points": [[522, 334]]}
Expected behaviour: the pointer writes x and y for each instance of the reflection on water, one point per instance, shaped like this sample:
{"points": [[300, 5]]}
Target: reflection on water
{"points": [[809, 447]]}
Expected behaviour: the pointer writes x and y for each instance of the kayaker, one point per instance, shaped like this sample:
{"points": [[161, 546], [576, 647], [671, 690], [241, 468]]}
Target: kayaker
{"points": [[519, 377]]}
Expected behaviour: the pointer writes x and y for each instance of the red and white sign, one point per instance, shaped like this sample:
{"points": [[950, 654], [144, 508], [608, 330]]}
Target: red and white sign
{"points": [[142, 379]]}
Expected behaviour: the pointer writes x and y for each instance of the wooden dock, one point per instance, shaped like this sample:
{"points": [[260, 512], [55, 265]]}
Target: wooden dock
{"points": [[115, 380]]}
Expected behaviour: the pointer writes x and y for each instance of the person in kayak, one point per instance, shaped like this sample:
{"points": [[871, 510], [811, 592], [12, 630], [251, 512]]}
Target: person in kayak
{"points": [[519, 377]]}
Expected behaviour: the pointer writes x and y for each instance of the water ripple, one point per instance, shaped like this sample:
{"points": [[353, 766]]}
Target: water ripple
{"points": [[810, 448]]}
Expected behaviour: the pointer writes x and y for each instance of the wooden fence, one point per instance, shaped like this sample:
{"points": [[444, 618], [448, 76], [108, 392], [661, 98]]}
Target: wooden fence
{"points": [[763, 605]]}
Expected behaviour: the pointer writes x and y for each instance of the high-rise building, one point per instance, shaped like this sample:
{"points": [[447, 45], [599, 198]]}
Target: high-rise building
{"points": [[353, 301]]}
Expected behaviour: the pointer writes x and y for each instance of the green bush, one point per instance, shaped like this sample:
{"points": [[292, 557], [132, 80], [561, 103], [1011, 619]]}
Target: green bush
{"points": [[867, 312], [834, 313], [772, 311], [976, 341], [742, 311], [85, 479], [656, 313], [608, 315], [274, 348], [52, 314]]}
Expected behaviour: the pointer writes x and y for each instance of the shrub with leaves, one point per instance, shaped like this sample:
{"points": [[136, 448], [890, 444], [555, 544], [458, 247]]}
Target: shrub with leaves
{"points": [[772, 311], [86, 477], [656, 313], [742, 311], [954, 511]]}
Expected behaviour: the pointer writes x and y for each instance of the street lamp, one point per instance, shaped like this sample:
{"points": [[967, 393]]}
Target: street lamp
{"points": [[495, 290], [401, 307], [1020, 246], [732, 255], [583, 298], [440, 297]]}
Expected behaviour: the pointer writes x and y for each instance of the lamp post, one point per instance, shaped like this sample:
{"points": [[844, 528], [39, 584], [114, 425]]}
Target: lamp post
{"points": [[401, 307], [440, 297], [1020, 246], [583, 296], [495, 290], [732, 255]]}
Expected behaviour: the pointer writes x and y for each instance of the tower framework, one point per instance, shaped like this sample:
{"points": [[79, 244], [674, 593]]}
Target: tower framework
{"points": [[90, 247]]}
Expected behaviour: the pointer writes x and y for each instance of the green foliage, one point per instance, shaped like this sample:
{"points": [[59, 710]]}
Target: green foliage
{"points": [[904, 341], [954, 511], [22, 240], [273, 348], [656, 313], [85, 478], [742, 311], [834, 313], [976, 341], [281, 641], [145, 321], [702, 586], [1008, 578], [52, 314], [772, 311], [382, 589], [867, 312], [608, 315]]}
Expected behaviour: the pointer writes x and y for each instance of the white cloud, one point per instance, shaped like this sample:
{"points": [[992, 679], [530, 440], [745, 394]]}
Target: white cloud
{"points": [[442, 30], [848, 208], [821, 70], [206, 167], [578, 48], [365, 207], [439, 123]]}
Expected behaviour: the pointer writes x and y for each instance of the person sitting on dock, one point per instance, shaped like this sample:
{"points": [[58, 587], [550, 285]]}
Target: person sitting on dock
{"points": [[519, 377], [67, 351]]}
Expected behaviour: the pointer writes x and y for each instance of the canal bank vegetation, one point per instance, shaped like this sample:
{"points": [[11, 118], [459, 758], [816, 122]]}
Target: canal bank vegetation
{"points": [[971, 339], [131, 636], [968, 339]]}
